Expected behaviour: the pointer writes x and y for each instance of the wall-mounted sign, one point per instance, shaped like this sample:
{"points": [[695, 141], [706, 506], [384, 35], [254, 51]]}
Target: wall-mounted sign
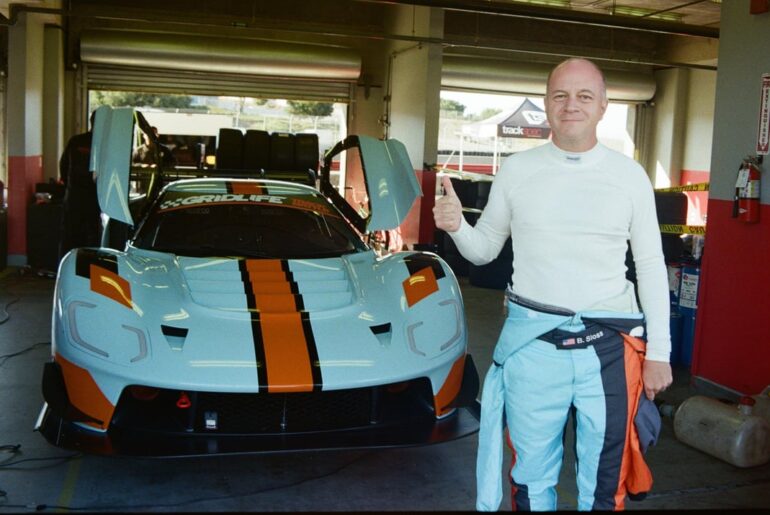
{"points": [[763, 132]]}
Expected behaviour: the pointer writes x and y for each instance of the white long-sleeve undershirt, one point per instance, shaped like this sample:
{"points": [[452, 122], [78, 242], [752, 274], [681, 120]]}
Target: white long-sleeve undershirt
{"points": [[570, 216]]}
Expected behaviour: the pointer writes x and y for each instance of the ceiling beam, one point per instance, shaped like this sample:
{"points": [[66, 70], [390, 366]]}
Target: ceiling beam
{"points": [[531, 11]]}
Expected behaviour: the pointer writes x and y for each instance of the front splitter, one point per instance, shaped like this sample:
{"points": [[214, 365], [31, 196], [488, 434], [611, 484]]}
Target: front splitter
{"points": [[418, 431]]}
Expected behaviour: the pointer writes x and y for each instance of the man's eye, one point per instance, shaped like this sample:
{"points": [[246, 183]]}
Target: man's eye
{"points": [[559, 97], [586, 98]]}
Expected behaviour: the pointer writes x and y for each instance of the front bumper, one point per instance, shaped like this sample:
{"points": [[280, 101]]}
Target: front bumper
{"points": [[157, 430], [463, 422]]}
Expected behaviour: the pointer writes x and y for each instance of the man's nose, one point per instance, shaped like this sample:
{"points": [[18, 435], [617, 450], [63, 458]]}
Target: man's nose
{"points": [[571, 103]]}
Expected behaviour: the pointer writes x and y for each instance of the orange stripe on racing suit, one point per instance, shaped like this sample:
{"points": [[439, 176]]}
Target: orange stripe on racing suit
{"points": [[635, 476]]}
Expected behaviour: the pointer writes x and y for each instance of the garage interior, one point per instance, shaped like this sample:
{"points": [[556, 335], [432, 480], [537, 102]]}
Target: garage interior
{"points": [[689, 72]]}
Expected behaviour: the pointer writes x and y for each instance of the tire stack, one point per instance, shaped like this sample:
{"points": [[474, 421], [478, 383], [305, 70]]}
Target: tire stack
{"points": [[466, 192], [496, 274], [44, 221], [671, 208]]}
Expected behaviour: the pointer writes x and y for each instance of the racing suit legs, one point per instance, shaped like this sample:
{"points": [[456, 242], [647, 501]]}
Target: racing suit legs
{"points": [[543, 383]]}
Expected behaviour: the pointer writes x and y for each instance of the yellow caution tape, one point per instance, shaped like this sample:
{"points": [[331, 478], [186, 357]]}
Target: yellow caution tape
{"points": [[682, 229], [703, 186]]}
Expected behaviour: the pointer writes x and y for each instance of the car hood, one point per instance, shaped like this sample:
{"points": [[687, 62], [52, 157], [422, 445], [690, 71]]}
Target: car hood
{"points": [[225, 284], [243, 325]]}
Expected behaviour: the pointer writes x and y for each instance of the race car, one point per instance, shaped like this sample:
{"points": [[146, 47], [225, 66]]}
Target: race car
{"points": [[250, 315]]}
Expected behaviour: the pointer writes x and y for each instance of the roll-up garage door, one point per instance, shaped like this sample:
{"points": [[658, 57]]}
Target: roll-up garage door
{"points": [[157, 80], [172, 63], [479, 74]]}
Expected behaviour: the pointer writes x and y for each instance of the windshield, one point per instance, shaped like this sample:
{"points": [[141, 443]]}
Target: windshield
{"points": [[257, 226]]}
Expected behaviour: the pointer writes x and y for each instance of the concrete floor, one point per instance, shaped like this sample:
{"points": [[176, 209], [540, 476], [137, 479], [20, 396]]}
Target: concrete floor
{"points": [[38, 476]]}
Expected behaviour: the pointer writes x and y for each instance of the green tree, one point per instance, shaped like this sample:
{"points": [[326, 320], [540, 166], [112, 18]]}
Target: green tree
{"points": [[136, 99], [300, 107], [489, 112], [452, 106]]}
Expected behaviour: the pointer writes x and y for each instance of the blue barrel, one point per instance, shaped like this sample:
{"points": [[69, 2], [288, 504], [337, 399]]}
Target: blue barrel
{"points": [[688, 307], [675, 326], [675, 322], [674, 270]]}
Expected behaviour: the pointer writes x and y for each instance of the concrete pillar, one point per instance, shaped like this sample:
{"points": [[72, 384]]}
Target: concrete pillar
{"points": [[669, 127], [53, 100], [412, 106], [415, 83], [24, 122], [3, 105]]}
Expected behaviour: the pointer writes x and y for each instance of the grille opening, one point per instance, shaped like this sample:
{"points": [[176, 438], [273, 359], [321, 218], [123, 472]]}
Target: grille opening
{"points": [[277, 413]]}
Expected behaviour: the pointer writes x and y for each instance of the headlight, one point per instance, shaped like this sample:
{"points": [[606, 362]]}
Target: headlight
{"points": [[125, 344]]}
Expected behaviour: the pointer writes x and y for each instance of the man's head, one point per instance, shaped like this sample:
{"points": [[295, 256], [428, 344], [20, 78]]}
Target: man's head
{"points": [[575, 101]]}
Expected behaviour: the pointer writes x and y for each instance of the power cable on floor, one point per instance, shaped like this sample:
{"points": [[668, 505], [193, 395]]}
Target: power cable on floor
{"points": [[42, 507], [10, 464], [4, 310], [6, 280], [6, 357], [8, 448]]}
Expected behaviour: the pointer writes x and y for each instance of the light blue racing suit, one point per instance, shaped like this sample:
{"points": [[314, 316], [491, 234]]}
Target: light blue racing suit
{"points": [[547, 362]]}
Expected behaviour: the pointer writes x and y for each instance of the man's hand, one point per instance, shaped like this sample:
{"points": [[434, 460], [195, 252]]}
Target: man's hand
{"points": [[656, 376], [448, 212]]}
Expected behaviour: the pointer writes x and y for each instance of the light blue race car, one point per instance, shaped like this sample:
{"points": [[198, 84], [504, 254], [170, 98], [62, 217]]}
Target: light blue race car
{"points": [[250, 315]]}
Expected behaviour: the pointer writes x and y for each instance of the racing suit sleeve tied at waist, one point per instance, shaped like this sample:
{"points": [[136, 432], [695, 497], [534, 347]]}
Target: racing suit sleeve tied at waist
{"points": [[617, 360]]}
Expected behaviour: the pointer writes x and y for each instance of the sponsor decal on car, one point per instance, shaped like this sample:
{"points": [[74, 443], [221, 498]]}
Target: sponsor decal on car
{"points": [[224, 198], [424, 272], [182, 202]]}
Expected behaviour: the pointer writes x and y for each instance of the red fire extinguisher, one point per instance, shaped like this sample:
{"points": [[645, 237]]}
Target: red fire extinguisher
{"points": [[746, 200]]}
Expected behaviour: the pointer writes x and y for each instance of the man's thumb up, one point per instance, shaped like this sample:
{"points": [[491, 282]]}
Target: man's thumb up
{"points": [[449, 189], [447, 213]]}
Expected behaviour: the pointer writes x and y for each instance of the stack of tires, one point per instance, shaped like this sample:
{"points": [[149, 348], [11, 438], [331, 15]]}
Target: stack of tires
{"points": [[496, 274], [671, 208], [44, 220]]}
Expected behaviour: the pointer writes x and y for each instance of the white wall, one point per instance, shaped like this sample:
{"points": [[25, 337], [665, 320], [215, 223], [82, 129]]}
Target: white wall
{"points": [[25, 86], [415, 84], [743, 58], [53, 100], [700, 120], [668, 127]]}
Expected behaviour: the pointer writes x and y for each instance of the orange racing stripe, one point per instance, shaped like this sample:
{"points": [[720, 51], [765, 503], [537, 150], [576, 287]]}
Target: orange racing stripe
{"points": [[282, 335]]}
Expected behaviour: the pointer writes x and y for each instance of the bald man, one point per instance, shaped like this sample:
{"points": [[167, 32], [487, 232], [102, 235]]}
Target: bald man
{"points": [[574, 339]]}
